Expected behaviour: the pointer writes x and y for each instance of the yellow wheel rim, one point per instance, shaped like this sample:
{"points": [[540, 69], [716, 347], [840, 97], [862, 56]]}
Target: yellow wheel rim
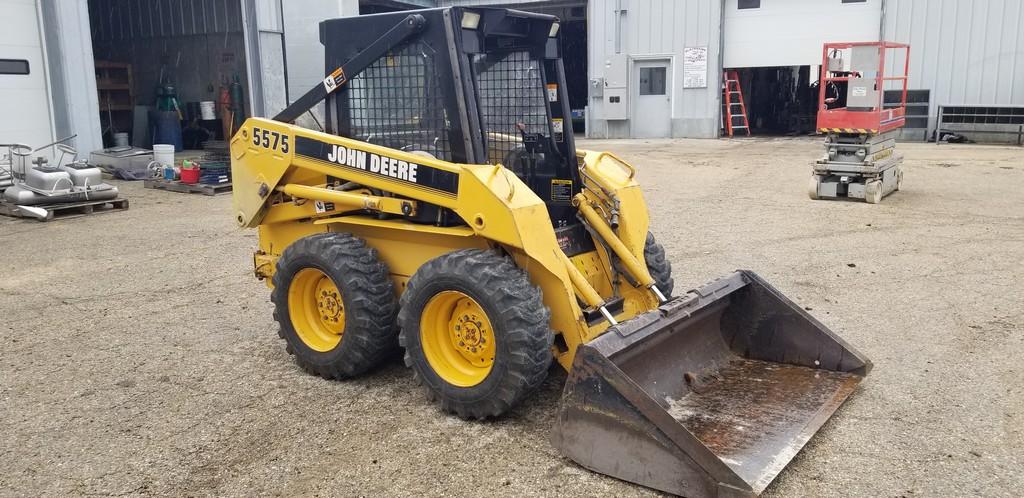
{"points": [[316, 309], [457, 338]]}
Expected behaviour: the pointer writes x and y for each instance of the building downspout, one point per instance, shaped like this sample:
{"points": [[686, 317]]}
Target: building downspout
{"points": [[721, 64], [619, 18], [881, 20]]}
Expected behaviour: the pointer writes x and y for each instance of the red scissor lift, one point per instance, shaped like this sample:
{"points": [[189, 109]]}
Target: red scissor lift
{"points": [[860, 129]]}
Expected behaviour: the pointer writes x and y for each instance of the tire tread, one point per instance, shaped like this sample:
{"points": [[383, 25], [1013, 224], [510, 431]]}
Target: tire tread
{"points": [[658, 265], [371, 307], [524, 318]]}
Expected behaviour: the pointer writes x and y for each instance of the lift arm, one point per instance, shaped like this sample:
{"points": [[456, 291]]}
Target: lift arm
{"points": [[412, 24]]}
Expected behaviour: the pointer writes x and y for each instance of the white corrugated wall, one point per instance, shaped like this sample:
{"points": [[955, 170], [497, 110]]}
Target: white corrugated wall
{"points": [[651, 28], [72, 73], [965, 51], [791, 32], [304, 54]]}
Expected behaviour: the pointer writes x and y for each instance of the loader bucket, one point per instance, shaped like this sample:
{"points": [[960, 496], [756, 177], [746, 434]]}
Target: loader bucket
{"points": [[712, 394]]}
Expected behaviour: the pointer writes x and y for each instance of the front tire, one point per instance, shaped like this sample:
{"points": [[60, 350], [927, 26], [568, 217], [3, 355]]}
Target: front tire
{"points": [[476, 333], [873, 192], [658, 265], [335, 304], [812, 187]]}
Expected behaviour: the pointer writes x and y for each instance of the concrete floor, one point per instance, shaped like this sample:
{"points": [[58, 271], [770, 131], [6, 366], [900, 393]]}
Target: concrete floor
{"points": [[139, 356]]}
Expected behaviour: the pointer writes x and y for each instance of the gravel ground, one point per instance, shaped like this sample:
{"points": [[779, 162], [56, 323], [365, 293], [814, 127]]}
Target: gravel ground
{"points": [[139, 356]]}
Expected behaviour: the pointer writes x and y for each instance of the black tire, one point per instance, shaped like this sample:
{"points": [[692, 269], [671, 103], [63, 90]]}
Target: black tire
{"points": [[516, 311], [368, 296], [658, 265]]}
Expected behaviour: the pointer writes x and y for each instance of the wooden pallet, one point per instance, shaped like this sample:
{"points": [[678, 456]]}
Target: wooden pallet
{"points": [[197, 188], [67, 210]]}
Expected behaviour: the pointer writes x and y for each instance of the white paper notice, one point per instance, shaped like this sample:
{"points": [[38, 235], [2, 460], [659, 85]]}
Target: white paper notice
{"points": [[695, 67]]}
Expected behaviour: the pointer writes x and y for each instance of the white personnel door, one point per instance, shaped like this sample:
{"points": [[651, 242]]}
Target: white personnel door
{"points": [[652, 111], [25, 115]]}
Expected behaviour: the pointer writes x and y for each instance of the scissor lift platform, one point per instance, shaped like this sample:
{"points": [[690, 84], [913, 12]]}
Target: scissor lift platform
{"points": [[860, 160]]}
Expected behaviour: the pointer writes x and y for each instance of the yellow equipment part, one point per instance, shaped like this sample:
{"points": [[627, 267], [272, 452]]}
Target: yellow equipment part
{"points": [[284, 192], [485, 275], [319, 315], [458, 338], [710, 393]]}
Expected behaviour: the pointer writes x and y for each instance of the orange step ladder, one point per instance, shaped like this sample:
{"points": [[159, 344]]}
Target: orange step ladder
{"points": [[735, 109]]}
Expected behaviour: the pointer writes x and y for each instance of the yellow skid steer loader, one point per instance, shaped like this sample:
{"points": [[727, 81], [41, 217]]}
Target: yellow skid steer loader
{"points": [[445, 210]]}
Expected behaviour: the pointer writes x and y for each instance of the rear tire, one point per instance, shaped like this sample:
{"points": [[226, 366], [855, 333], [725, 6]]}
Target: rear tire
{"points": [[658, 265], [476, 333], [335, 304]]}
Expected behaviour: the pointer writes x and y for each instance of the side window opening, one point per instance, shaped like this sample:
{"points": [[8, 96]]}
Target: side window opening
{"points": [[511, 92], [14, 66], [397, 102]]}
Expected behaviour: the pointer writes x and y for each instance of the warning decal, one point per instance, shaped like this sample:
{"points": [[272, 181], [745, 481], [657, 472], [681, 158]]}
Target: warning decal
{"points": [[334, 80], [561, 190], [558, 125], [323, 207]]}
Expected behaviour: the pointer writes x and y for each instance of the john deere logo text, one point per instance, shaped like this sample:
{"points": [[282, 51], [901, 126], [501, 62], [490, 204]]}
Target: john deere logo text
{"points": [[387, 166]]}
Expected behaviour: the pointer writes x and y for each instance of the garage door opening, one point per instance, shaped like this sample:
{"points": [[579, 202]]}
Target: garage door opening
{"points": [[780, 101], [159, 69]]}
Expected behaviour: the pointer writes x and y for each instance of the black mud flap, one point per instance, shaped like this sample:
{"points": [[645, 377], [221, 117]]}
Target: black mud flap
{"points": [[710, 395]]}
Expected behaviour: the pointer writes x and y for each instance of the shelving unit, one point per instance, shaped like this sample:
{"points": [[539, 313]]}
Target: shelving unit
{"points": [[116, 97]]}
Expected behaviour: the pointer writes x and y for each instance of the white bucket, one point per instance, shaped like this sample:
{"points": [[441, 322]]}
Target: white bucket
{"points": [[208, 110], [121, 139], [163, 154]]}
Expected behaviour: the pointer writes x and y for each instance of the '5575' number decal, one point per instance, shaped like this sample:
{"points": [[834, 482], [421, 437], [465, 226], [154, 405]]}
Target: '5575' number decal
{"points": [[269, 139]]}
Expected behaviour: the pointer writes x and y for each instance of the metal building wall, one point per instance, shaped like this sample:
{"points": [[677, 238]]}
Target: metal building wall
{"points": [[263, 33], [654, 28], [72, 74], [304, 53], [791, 32], [965, 51]]}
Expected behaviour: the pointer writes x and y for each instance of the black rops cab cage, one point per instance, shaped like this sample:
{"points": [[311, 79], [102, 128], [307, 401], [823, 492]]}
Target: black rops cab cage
{"points": [[479, 86]]}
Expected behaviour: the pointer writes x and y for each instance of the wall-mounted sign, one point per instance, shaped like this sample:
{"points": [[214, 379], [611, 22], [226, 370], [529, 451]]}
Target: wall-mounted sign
{"points": [[695, 67]]}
